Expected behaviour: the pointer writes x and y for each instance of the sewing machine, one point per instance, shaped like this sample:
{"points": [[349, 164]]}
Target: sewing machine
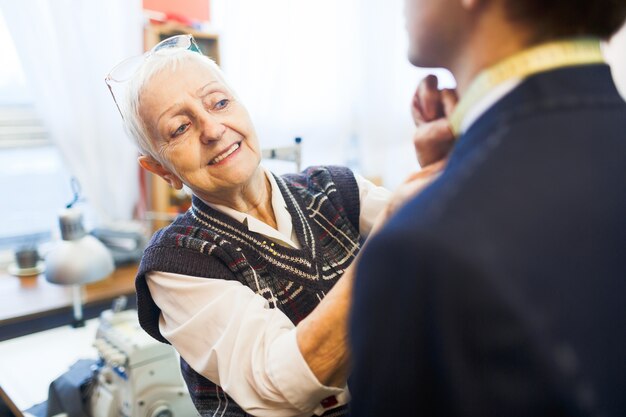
{"points": [[136, 375]]}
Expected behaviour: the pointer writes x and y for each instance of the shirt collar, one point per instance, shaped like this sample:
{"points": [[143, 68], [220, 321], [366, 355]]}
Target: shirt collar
{"points": [[283, 219], [488, 101], [492, 83]]}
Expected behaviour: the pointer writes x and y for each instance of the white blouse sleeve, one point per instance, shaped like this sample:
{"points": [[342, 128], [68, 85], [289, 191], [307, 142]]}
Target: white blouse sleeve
{"points": [[228, 334], [373, 199]]}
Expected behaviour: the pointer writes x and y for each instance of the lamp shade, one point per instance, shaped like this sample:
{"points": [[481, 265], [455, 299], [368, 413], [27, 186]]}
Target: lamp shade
{"points": [[79, 258]]}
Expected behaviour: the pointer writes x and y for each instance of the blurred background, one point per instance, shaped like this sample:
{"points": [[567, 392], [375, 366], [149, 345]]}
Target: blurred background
{"points": [[334, 73]]}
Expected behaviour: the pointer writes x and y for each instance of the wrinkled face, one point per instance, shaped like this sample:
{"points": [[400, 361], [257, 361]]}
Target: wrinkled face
{"points": [[202, 134], [433, 27]]}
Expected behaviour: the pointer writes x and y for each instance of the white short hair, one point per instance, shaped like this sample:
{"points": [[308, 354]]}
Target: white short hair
{"points": [[131, 90]]}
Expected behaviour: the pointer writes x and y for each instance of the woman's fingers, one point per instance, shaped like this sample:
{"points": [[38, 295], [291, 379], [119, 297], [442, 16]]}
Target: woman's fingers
{"points": [[433, 141], [449, 100], [427, 102], [428, 172], [430, 108], [413, 185]]}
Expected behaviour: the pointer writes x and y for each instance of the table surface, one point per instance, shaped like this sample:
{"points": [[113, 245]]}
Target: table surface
{"points": [[27, 298], [28, 364]]}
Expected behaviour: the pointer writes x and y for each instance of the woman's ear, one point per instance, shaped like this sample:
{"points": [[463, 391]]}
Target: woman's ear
{"points": [[150, 164]]}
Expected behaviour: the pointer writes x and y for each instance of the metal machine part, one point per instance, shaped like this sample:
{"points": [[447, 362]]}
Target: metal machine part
{"points": [[136, 375]]}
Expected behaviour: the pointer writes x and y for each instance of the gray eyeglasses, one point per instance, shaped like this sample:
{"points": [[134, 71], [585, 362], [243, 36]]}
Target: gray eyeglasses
{"points": [[124, 71]]}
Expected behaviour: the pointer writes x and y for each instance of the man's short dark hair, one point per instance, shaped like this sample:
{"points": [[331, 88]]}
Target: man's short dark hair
{"points": [[553, 19]]}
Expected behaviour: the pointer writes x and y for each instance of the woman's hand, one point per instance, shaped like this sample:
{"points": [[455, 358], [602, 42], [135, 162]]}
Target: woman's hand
{"points": [[412, 186], [322, 336], [433, 138]]}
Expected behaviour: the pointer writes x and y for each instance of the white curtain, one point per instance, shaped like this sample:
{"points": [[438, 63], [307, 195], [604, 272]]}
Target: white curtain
{"points": [[333, 72], [291, 62], [66, 48]]}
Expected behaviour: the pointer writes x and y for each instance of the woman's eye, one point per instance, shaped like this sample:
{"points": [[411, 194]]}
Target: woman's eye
{"points": [[221, 104], [181, 129]]}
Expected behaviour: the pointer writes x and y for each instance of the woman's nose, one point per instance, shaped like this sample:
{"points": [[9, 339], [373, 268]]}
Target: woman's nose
{"points": [[212, 129]]}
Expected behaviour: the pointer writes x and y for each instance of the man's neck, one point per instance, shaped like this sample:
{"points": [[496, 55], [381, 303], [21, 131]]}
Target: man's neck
{"points": [[490, 43]]}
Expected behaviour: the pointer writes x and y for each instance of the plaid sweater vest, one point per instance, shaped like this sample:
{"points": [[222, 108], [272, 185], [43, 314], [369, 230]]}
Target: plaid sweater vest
{"points": [[324, 207]]}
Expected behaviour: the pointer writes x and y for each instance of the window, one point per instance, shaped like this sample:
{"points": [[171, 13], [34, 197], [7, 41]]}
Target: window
{"points": [[34, 185]]}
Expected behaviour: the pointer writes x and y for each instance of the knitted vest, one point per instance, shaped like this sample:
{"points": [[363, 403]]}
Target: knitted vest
{"points": [[324, 206]]}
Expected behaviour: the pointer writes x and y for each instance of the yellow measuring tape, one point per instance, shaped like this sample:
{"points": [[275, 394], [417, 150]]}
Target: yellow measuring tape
{"points": [[537, 59]]}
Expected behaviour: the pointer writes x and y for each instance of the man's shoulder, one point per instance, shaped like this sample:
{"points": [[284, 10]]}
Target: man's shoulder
{"points": [[554, 99], [456, 196]]}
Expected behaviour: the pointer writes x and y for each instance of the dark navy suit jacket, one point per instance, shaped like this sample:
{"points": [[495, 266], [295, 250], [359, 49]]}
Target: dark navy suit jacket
{"points": [[501, 289]]}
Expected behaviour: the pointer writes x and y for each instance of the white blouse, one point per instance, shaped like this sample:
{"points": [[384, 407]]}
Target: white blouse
{"points": [[228, 334]]}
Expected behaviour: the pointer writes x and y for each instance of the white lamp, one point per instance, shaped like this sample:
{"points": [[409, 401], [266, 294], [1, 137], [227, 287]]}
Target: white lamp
{"points": [[77, 260]]}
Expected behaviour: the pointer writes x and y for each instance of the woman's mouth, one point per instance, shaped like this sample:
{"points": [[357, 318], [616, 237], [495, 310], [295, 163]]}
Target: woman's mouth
{"points": [[228, 152]]}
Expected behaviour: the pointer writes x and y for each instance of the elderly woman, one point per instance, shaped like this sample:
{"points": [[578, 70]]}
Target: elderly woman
{"points": [[252, 284]]}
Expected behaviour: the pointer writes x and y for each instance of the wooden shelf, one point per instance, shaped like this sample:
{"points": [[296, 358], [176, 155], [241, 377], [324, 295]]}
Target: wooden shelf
{"points": [[208, 42]]}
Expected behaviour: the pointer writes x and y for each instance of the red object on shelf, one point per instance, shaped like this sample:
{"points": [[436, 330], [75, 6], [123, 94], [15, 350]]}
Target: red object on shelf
{"points": [[172, 17], [183, 11]]}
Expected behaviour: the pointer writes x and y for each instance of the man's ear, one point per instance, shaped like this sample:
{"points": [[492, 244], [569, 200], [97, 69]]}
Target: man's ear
{"points": [[149, 163]]}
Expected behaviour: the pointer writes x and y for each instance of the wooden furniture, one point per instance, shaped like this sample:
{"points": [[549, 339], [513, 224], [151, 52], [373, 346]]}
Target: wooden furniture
{"points": [[30, 304], [208, 42], [164, 203]]}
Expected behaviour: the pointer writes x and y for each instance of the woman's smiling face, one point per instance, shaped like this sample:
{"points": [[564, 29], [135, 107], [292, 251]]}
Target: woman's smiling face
{"points": [[202, 134]]}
